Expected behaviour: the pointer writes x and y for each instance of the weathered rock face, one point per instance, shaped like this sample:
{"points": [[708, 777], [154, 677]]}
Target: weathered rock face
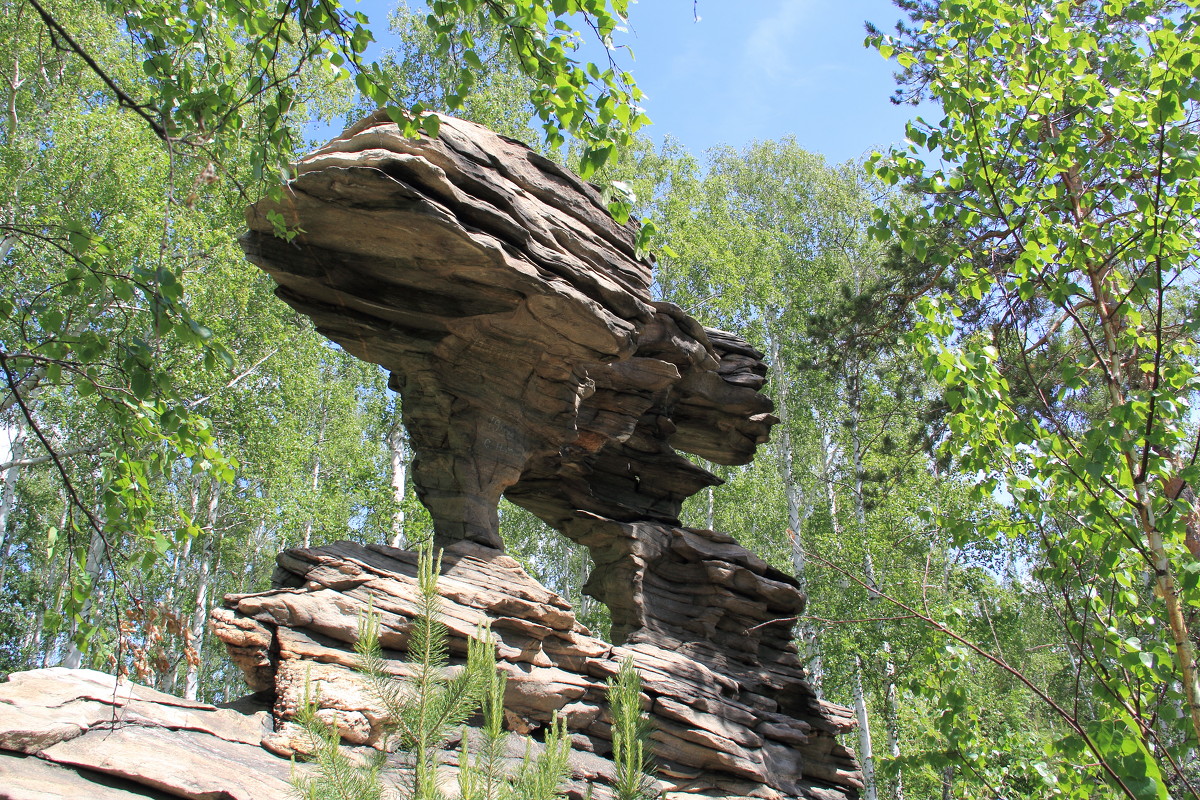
{"points": [[727, 721], [82, 734], [517, 323]]}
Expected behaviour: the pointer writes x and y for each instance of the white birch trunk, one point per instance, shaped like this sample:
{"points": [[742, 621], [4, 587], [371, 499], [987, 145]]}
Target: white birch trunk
{"points": [[50, 648], [710, 512], [400, 459], [8, 498], [258, 544], [180, 557], [179, 561], [316, 476], [95, 556], [32, 645], [828, 454], [866, 756], [891, 708], [316, 482], [199, 621], [891, 712], [797, 510]]}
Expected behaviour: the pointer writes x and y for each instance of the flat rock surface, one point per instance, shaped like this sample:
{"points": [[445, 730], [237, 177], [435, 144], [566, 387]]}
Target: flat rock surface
{"points": [[80, 733]]}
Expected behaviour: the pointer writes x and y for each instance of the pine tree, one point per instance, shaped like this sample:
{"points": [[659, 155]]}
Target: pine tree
{"points": [[631, 736], [421, 713]]}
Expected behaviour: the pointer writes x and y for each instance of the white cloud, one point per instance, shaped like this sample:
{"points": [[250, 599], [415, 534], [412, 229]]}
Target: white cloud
{"points": [[770, 51]]}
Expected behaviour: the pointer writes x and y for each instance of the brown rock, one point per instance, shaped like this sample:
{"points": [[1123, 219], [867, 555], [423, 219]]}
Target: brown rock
{"points": [[182, 764], [86, 734], [31, 778], [517, 323]]}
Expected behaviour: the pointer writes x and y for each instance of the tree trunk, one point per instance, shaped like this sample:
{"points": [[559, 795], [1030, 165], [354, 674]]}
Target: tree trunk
{"points": [[8, 498], [400, 459], [1107, 309], [199, 621], [891, 708], [316, 476], [795, 521], [181, 556], [710, 512], [32, 647], [50, 648], [179, 563], [95, 557], [866, 756]]}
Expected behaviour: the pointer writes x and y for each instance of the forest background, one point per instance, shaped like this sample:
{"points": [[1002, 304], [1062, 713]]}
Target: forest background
{"points": [[982, 348]]}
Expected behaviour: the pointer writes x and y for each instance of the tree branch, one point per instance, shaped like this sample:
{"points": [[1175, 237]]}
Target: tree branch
{"points": [[123, 99], [33, 462]]}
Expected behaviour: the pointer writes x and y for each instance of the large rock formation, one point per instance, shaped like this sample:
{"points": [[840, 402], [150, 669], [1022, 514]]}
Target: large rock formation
{"points": [[516, 320], [518, 327], [517, 323]]}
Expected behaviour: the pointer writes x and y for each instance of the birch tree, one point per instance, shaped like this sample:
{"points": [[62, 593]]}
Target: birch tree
{"points": [[1061, 186]]}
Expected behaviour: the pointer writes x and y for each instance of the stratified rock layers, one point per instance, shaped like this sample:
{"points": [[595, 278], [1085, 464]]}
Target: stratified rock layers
{"points": [[731, 712], [83, 734], [516, 320]]}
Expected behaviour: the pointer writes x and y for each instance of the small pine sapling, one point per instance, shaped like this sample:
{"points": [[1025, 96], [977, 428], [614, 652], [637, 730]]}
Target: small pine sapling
{"points": [[339, 776], [541, 778], [422, 711], [631, 736], [484, 777]]}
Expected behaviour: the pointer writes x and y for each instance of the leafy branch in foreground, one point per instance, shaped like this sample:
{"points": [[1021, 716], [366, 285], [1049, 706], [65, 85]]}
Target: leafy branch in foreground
{"points": [[1065, 164]]}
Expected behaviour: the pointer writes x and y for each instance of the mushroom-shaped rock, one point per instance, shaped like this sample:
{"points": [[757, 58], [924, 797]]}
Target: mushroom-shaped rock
{"points": [[515, 317]]}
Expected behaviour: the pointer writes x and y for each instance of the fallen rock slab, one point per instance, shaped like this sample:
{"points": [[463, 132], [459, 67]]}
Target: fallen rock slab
{"points": [[84, 734]]}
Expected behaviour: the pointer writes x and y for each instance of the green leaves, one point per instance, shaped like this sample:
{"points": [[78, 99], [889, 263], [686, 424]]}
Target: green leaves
{"points": [[1136, 771], [598, 106], [1046, 189]]}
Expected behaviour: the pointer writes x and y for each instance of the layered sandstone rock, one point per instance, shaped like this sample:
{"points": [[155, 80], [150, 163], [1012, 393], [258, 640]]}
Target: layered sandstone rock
{"points": [[83, 734], [517, 324], [729, 719], [516, 319]]}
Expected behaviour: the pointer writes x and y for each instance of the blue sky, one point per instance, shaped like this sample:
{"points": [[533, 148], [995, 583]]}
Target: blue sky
{"points": [[762, 69], [757, 69]]}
